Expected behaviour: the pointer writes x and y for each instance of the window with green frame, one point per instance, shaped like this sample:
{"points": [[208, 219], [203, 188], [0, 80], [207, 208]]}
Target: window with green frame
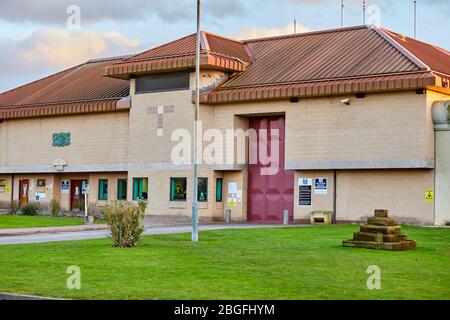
{"points": [[122, 189], [178, 189], [103, 189], [219, 190], [202, 189], [140, 189]]}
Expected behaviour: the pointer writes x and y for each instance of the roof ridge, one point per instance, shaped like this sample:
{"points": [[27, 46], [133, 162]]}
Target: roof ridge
{"points": [[223, 37], [106, 59], [160, 46], [416, 40], [286, 36], [384, 33]]}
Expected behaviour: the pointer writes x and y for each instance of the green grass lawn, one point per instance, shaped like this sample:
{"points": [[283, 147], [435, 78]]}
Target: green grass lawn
{"points": [[15, 222], [288, 263]]}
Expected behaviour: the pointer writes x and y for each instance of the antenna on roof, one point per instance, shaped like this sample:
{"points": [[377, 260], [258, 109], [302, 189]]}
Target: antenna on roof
{"points": [[415, 19], [364, 12], [295, 25], [342, 13]]}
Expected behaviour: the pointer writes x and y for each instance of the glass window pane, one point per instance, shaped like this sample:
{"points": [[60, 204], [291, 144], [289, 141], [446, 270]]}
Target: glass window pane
{"points": [[178, 189], [103, 189], [162, 82], [140, 188], [219, 187], [122, 189], [202, 189]]}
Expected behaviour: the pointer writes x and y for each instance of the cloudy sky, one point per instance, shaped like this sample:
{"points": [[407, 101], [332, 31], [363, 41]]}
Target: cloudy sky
{"points": [[40, 37]]}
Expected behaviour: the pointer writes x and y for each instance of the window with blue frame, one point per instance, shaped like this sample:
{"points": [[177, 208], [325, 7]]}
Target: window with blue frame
{"points": [[140, 189], [122, 189], [103, 189], [178, 189], [219, 190], [202, 189]]}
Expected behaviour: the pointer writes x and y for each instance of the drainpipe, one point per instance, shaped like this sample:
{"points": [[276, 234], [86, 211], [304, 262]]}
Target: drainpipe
{"points": [[334, 195], [12, 188], [441, 120]]}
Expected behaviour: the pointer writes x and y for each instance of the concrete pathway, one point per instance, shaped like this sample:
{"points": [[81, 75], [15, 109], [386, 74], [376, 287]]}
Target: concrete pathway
{"points": [[29, 231], [101, 234]]}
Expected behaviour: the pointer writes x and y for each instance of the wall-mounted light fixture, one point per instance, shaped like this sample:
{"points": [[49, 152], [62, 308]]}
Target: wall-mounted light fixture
{"points": [[345, 101]]}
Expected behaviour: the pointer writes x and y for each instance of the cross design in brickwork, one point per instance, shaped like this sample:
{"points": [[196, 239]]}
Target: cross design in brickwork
{"points": [[161, 111]]}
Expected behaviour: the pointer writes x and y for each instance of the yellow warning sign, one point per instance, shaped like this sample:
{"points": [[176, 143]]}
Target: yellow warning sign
{"points": [[429, 195], [232, 202], [8, 188]]}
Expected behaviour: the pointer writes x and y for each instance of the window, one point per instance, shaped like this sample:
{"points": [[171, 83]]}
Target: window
{"points": [[41, 183], [178, 189], [163, 82], [122, 189], [140, 188], [219, 188], [103, 189], [202, 189]]}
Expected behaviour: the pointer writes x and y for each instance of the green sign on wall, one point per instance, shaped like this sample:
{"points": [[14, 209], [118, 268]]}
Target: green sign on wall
{"points": [[61, 139]]}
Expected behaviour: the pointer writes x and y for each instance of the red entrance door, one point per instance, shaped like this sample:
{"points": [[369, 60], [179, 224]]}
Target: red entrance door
{"points": [[270, 192], [24, 188], [76, 195]]}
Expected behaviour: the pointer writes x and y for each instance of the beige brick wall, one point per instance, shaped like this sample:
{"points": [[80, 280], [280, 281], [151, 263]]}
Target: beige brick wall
{"points": [[96, 139], [318, 202], [402, 192], [381, 127]]}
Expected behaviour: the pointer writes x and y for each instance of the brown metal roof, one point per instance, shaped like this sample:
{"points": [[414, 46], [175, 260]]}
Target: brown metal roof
{"points": [[341, 61], [341, 53], [74, 87], [436, 58], [346, 60], [216, 52]]}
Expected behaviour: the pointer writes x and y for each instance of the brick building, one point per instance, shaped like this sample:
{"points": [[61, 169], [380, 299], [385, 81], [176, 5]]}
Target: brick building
{"points": [[362, 116]]}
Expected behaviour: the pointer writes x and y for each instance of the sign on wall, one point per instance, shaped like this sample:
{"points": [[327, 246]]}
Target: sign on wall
{"points": [[429, 196], [2, 185], [61, 139], [305, 191], [65, 186], [321, 186]]}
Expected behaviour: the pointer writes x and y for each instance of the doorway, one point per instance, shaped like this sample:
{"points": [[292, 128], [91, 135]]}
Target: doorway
{"points": [[76, 195], [24, 189], [269, 195]]}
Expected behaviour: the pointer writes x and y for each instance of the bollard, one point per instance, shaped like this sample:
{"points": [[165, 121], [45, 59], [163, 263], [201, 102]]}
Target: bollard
{"points": [[286, 217], [228, 215]]}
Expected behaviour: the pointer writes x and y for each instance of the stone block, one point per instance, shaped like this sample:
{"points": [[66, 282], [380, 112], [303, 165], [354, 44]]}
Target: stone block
{"points": [[381, 229], [381, 213], [376, 221]]}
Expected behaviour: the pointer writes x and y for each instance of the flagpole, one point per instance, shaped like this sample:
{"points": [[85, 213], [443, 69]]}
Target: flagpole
{"points": [[196, 123]]}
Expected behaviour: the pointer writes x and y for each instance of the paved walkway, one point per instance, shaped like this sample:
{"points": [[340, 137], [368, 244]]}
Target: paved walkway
{"points": [[28, 231], [100, 234]]}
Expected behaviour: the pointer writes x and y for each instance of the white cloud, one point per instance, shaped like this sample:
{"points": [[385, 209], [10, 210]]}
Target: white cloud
{"points": [[253, 32], [170, 11], [52, 49]]}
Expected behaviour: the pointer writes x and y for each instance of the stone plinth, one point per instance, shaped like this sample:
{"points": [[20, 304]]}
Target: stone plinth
{"points": [[381, 232]]}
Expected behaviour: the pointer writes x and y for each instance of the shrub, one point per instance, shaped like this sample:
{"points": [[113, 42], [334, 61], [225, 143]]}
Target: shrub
{"points": [[31, 209], [124, 220], [13, 207], [55, 208]]}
